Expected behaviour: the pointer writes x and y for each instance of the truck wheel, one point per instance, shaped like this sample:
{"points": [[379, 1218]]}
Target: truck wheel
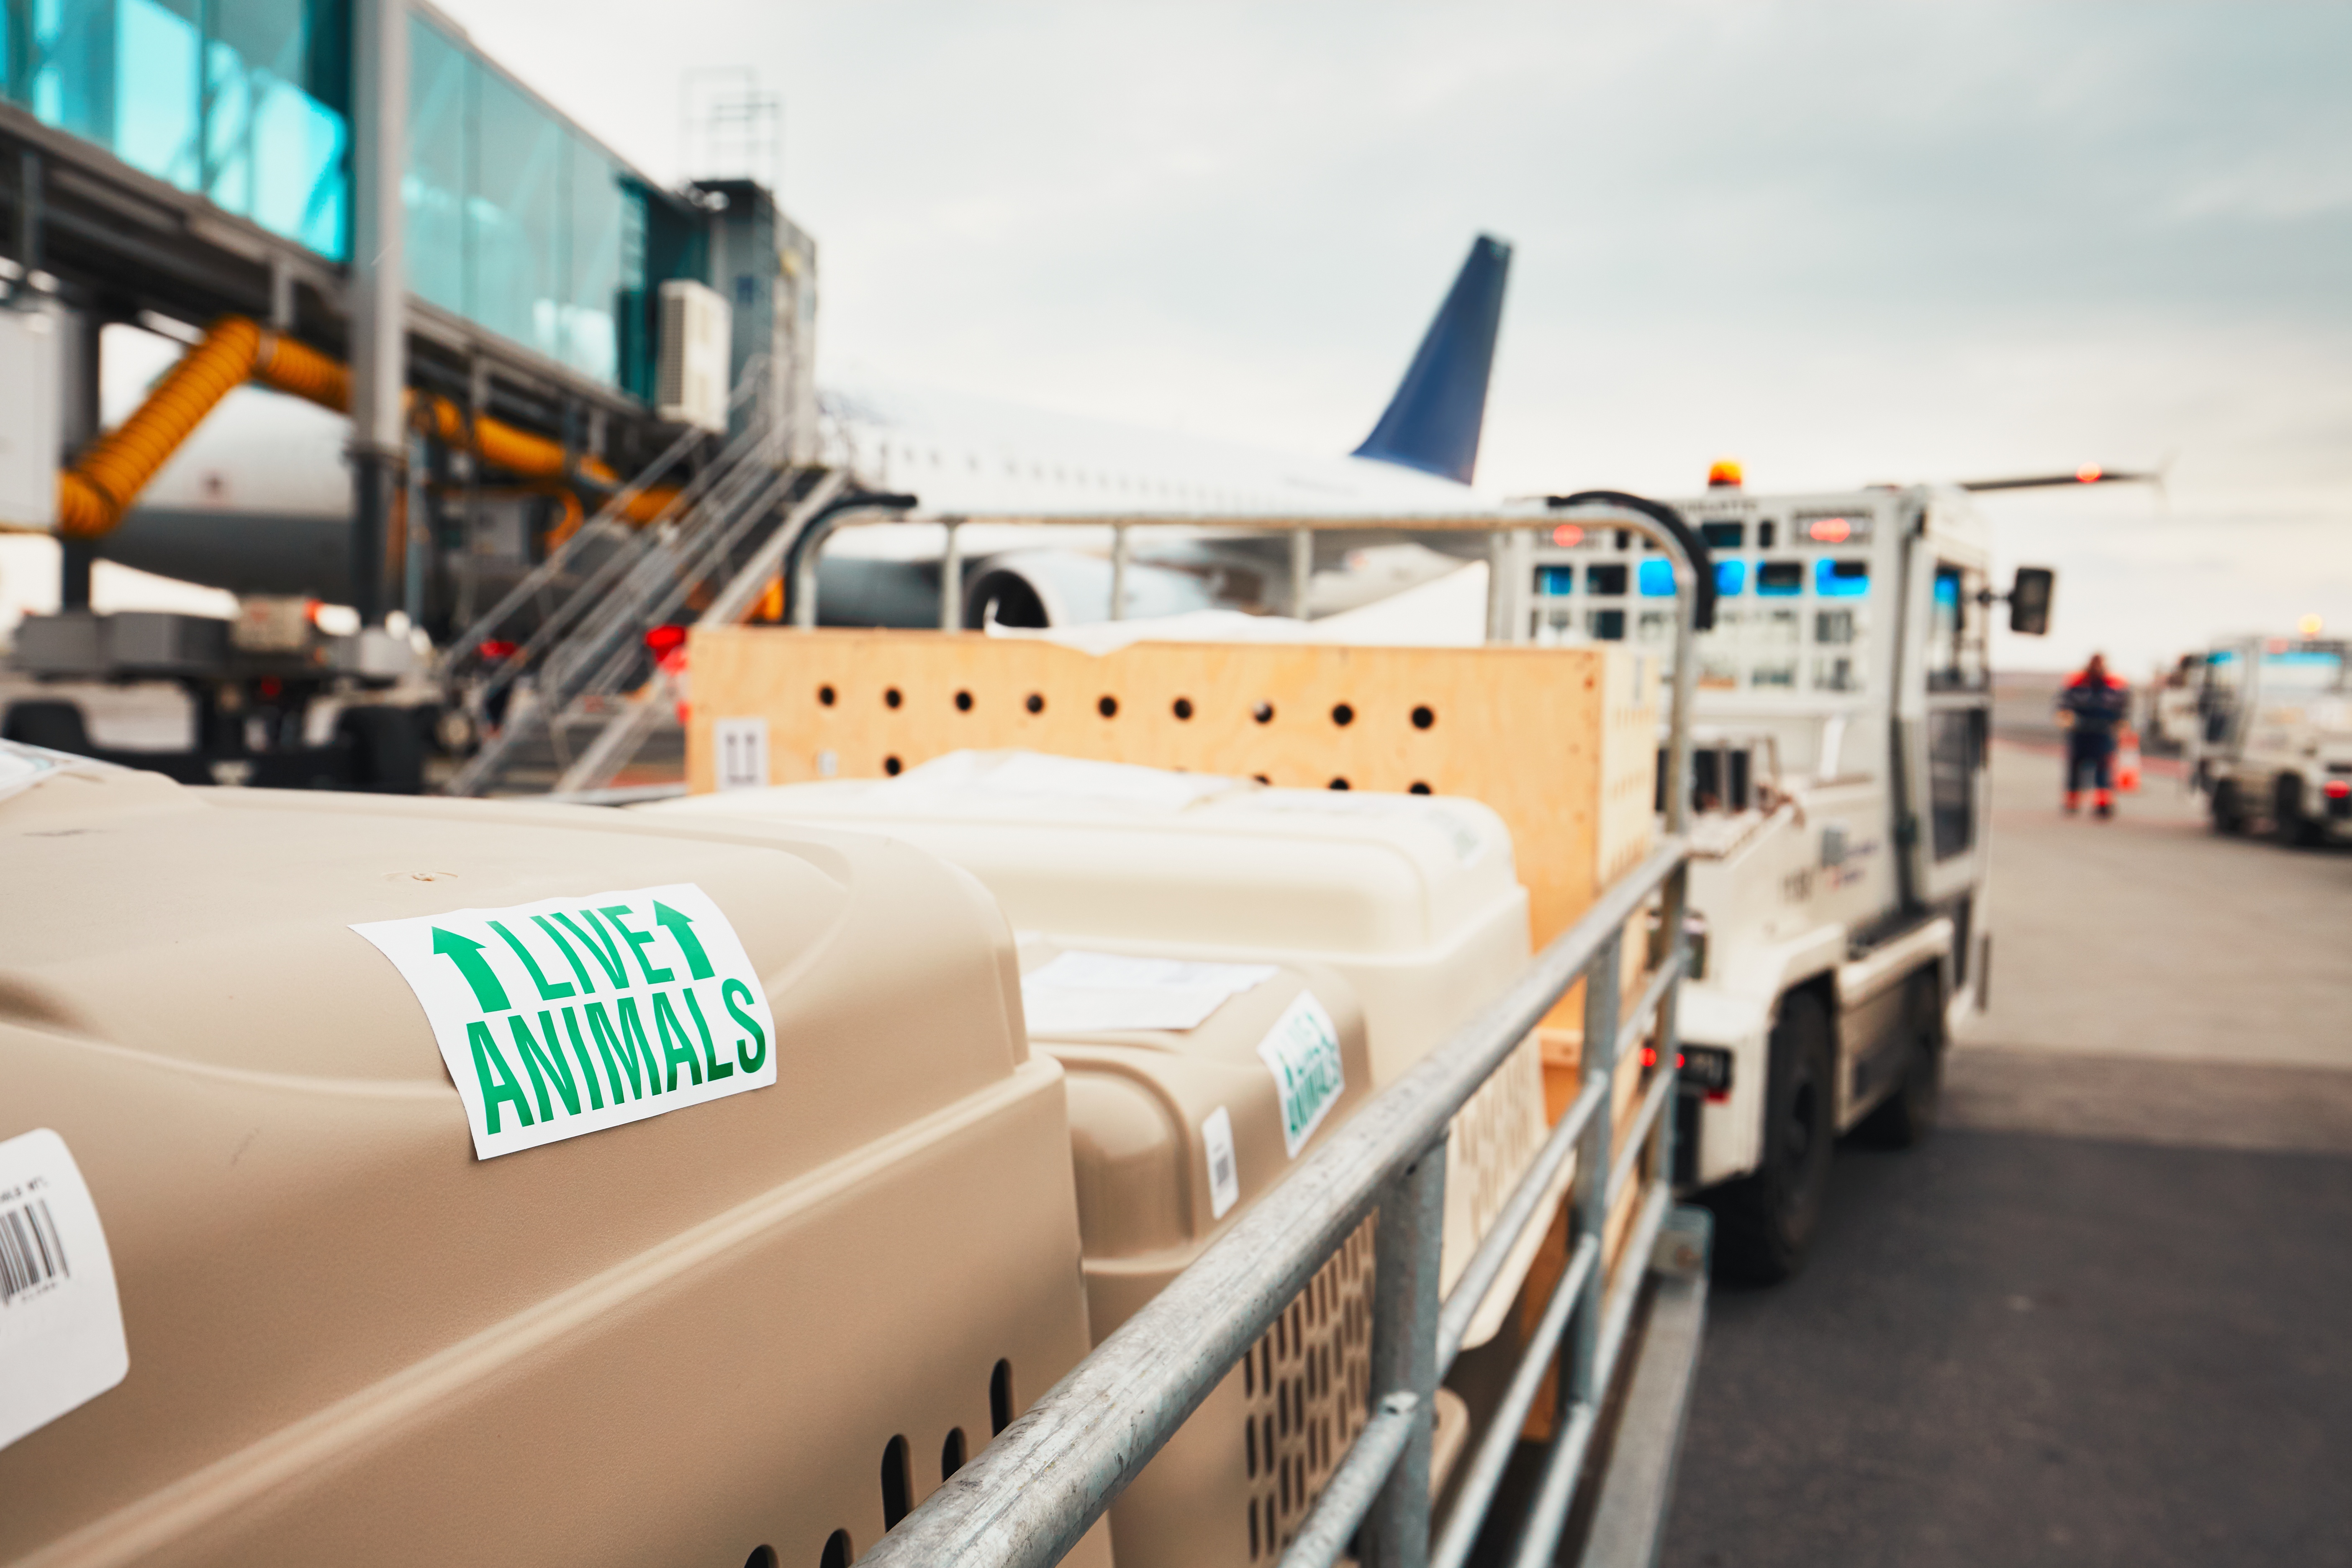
{"points": [[1765, 1221], [2287, 820], [46, 722], [1908, 1115], [2229, 816]]}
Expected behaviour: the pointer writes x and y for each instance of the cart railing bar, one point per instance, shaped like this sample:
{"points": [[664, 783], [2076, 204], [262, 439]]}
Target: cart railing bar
{"points": [[1028, 1496], [1637, 1130], [1356, 1485], [1502, 1435], [1547, 1515], [1486, 1264]]}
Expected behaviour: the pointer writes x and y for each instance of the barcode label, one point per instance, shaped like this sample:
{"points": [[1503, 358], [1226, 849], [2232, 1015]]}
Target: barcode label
{"points": [[1225, 1176], [30, 1251], [61, 1341]]}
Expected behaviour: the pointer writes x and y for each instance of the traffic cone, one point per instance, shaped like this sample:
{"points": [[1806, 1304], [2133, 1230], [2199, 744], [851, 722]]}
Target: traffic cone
{"points": [[2127, 762]]}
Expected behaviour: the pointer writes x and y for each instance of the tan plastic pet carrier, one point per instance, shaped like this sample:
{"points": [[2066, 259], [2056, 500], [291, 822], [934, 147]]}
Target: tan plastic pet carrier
{"points": [[737, 1322], [1412, 899], [1176, 1132]]}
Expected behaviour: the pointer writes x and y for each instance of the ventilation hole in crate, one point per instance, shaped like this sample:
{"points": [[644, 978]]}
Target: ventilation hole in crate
{"points": [[890, 699], [1339, 784], [1000, 1397], [1417, 788], [761, 1557], [1263, 713], [1252, 1513], [1423, 717], [1107, 707], [825, 695], [898, 1483], [1183, 708], [951, 1453], [837, 1553], [1262, 778], [1034, 702], [1343, 715], [963, 701], [1249, 1441]]}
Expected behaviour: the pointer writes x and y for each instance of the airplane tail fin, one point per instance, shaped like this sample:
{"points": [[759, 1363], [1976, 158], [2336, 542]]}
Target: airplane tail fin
{"points": [[1433, 421]]}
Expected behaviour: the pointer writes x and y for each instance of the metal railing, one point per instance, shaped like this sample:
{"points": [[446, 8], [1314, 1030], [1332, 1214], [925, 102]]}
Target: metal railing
{"points": [[1027, 1499]]}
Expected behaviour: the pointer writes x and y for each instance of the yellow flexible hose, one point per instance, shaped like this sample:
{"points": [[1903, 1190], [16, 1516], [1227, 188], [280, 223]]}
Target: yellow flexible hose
{"points": [[94, 494]]}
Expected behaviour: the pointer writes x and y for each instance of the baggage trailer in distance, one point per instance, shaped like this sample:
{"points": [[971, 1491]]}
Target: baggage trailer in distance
{"points": [[1623, 1308], [1840, 820]]}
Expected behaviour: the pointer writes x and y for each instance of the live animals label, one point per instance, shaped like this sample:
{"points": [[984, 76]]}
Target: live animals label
{"points": [[61, 1341], [1302, 1051], [571, 1015]]}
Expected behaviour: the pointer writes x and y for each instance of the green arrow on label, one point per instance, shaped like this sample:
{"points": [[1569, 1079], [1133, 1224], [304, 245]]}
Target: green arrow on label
{"points": [[681, 930], [468, 956]]}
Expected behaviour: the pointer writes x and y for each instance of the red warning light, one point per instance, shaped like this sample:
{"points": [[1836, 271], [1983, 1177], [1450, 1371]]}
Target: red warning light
{"points": [[2338, 789], [2090, 473], [1649, 1055], [1567, 536], [1831, 530]]}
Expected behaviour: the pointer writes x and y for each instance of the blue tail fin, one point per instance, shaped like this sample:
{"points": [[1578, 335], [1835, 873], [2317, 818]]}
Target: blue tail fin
{"points": [[1433, 422]]}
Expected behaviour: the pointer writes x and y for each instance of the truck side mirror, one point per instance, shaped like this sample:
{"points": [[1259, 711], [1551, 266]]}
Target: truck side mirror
{"points": [[2028, 601]]}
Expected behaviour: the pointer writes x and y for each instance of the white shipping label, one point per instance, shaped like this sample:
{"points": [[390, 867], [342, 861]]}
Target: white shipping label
{"points": [[571, 1015], [742, 748], [1302, 1051], [1080, 991], [23, 766], [61, 1341], [1224, 1173]]}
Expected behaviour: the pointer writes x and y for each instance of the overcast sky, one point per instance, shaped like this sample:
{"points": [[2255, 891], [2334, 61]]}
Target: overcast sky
{"points": [[1843, 243]]}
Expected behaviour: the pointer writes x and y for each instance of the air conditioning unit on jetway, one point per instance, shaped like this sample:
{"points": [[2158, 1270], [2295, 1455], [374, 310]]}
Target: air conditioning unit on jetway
{"points": [[697, 333]]}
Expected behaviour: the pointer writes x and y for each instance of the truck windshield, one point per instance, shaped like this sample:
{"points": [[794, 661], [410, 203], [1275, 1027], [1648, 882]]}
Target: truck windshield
{"points": [[2310, 668]]}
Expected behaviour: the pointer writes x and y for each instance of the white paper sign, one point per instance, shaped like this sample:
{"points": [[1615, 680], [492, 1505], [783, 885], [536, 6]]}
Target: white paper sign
{"points": [[1081, 992], [1302, 1051], [742, 748], [23, 766], [1047, 778], [61, 1341], [571, 1015], [1225, 1173]]}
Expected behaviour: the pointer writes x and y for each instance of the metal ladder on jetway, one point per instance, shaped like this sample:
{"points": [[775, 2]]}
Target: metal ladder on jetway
{"points": [[584, 666]]}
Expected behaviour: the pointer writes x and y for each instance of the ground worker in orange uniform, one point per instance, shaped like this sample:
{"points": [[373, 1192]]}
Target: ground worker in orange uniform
{"points": [[2092, 707]]}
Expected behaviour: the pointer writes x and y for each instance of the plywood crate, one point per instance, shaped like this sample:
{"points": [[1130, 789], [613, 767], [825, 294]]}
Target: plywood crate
{"points": [[1561, 742]]}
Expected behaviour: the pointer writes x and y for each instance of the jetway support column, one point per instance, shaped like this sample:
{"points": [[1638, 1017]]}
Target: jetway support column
{"points": [[80, 425], [379, 293]]}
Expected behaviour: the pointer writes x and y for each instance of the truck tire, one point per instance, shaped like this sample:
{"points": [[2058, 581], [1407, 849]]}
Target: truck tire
{"points": [[2291, 828], [1907, 1116], [2229, 814], [1764, 1222], [46, 722]]}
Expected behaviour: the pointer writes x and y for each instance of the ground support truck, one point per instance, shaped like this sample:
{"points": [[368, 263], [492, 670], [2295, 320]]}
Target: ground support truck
{"points": [[2271, 745], [1839, 888]]}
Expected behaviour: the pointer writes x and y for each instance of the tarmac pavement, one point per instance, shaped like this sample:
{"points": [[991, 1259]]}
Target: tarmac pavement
{"points": [[2100, 1317]]}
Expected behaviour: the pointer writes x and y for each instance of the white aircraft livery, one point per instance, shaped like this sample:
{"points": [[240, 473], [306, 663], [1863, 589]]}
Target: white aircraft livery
{"points": [[257, 501]]}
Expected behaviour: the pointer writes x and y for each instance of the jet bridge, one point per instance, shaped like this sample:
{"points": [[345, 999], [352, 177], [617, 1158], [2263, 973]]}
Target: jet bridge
{"points": [[525, 347]]}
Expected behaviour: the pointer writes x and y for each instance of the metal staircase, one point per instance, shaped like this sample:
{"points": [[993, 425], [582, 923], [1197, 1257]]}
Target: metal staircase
{"points": [[562, 658]]}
